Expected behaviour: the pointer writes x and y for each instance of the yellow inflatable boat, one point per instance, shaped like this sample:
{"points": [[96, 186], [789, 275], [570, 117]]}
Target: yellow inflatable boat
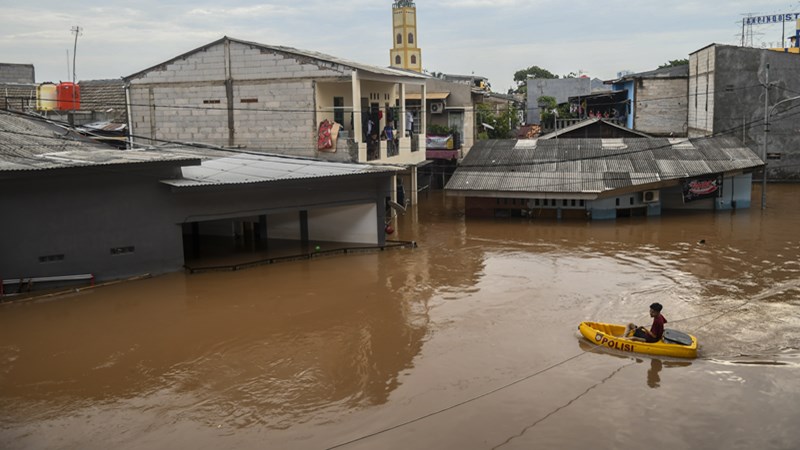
{"points": [[674, 343]]}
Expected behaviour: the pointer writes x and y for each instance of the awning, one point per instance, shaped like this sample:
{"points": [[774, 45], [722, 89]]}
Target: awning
{"points": [[430, 96]]}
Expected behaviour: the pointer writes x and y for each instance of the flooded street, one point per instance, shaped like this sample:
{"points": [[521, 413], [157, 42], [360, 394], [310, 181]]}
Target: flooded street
{"points": [[468, 341]]}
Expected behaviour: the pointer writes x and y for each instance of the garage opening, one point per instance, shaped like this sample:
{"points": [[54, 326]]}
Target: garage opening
{"points": [[240, 242]]}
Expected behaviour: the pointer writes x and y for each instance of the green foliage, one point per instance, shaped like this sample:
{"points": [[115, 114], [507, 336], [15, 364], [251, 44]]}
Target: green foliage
{"points": [[503, 124], [674, 63], [438, 130], [547, 106], [521, 77]]}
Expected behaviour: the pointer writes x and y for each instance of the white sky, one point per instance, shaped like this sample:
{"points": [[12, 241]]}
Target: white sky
{"points": [[489, 38]]}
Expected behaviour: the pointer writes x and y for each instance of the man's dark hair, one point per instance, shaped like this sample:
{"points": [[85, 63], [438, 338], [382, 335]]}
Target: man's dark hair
{"points": [[657, 307]]}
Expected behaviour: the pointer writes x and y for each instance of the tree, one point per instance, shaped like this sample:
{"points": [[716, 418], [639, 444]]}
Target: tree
{"points": [[502, 124], [674, 63], [521, 77], [549, 111]]}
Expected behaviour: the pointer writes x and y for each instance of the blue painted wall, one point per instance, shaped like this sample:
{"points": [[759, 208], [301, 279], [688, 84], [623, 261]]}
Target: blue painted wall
{"points": [[630, 87]]}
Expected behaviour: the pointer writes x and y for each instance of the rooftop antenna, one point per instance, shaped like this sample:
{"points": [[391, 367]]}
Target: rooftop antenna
{"points": [[77, 30]]}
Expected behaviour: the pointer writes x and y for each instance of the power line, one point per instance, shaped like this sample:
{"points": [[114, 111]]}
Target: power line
{"points": [[456, 405]]}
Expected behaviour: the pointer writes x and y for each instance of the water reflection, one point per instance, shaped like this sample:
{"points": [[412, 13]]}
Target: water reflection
{"points": [[653, 378], [269, 347]]}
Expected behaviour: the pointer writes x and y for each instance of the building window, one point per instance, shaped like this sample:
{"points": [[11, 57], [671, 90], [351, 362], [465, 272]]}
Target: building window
{"points": [[249, 100], [573, 202], [536, 202], [338, 110], [397, 60], [123, 250], [210, 102], [410, 38], [553, 202], [413, 59], [51, 258], [399, 38], [617, 201], [631, 200], [581, 203]]}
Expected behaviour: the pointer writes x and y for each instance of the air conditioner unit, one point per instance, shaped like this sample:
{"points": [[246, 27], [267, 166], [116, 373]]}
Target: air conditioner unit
{"points": [[437, 107], [649, 196]]}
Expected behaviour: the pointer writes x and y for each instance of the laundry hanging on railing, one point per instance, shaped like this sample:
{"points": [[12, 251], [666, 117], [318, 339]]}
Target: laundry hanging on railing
{"points": [[327, 135]]}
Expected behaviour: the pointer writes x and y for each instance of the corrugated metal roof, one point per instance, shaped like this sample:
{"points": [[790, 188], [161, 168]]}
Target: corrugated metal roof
{"points": [[586, 166], [30, 144], [228, 168]]}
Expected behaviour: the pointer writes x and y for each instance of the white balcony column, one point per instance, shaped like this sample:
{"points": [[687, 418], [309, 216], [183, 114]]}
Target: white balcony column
{"points": [[423, 119], [402, 110], [414, 193], [357, 130]]}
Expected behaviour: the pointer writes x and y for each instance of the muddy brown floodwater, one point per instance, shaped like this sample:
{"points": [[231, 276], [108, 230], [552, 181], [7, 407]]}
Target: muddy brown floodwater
{"points": [[467, 342]]}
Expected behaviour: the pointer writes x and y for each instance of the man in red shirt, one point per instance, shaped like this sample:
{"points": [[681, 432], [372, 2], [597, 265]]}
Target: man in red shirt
{"points": [[655, 332]]}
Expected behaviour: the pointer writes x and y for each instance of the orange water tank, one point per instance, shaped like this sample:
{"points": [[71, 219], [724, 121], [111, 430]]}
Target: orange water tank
{"points": [[69, 96]]}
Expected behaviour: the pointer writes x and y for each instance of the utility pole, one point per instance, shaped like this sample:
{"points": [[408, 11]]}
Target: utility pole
{"points": [[77, 30], [766, 135]]}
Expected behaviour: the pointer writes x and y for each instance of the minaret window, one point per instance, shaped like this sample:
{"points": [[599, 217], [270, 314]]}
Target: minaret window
{"points": [[413, 59], [410, 38], [399, 38], [397, 60]]}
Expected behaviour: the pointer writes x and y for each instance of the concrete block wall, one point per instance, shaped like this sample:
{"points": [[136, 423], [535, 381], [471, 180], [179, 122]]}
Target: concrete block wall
{"points": [[661, 107], [17, 73], [181, 114], [250, 62], [277, 116], [206, 65], [739, 104], [701, 92]]}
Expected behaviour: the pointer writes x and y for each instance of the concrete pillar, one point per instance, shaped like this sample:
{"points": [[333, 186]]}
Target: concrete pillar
{"points": [[423, 118], [414, 186], [195, 239], [304, 227], [358, 131], [261, 231]]}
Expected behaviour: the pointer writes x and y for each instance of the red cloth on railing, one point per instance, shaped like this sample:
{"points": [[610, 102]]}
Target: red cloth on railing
{"points": [[324, 140]]}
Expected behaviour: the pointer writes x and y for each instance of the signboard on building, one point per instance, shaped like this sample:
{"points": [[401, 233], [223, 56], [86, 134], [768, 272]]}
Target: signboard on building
{"points": [[699, 188], [772, 18]]}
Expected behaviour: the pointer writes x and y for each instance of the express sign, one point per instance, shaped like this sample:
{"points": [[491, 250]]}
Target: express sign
{"points": [[774, 18]]}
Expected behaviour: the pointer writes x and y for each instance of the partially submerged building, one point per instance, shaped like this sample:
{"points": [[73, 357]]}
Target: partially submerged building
{"points": [[603, 178], [82, 209]]}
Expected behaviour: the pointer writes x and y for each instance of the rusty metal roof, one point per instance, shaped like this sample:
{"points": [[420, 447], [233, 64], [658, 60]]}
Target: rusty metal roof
{"points": [[593, 166], [28, 143]]}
